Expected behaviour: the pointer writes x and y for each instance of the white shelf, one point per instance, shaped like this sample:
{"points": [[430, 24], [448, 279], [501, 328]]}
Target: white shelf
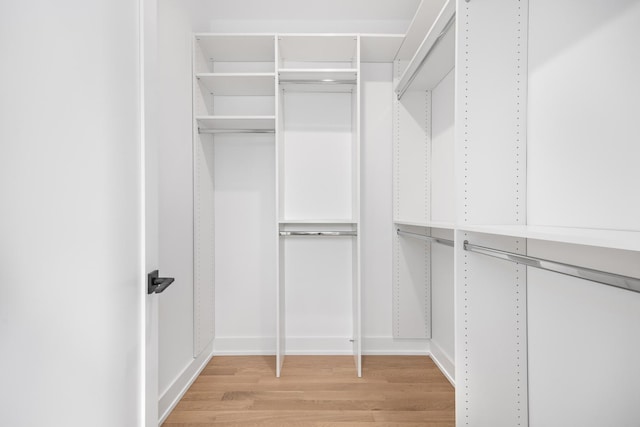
{"points": [[252, 84], [318, 47], [237, 122], [303, 74], [615, 239], [379, 47], [430, 224], [317, 221], [336, 79], [238, 47], [435, 57], [422, 21]]}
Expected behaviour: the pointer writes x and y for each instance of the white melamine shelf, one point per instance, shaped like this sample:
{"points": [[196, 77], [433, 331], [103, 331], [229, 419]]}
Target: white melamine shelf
{"points": [[329, 79], [238, 47], [318, 47], [379, 47], [237, 122], [422, 21], [252, 84], [614, 239], [317, 221], [435, 57], [301, 74], [431, 224]]}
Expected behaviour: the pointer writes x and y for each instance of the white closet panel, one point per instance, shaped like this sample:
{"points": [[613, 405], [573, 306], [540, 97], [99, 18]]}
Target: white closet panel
{"points": [[442, 152], [442, 302], [317, 156], [583, 341], [584, 104], [244, 227], [318, 295]]}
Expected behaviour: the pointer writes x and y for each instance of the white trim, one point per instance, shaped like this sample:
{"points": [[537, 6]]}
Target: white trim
{"points": [[172, 395], [244, 346], [389, 346], [443, 361], [247, 346]]}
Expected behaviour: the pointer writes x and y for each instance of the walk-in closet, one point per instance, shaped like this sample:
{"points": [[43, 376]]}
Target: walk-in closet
{"points": [[336, 212]]}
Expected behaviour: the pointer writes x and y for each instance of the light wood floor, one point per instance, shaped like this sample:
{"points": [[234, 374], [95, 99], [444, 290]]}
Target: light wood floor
{"points": [[317, 391]]}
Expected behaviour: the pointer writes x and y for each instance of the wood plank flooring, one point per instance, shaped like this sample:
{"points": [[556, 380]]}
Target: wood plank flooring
{"points": [[317, 391]]}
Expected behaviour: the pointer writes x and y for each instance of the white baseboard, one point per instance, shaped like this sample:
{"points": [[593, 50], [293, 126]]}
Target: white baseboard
{"points": [[246, 346], [443, 361], [174, 393], [389, 346]]}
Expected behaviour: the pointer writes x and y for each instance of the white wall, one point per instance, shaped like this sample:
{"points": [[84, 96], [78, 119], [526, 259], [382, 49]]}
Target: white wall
{"points": [[70, 235]]}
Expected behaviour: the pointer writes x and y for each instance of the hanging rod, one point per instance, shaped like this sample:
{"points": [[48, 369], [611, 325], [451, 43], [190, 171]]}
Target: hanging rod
{"points": [[611, 279], [319, 82], [216, 131], [319, 233], [427, 55], [425, 238]]}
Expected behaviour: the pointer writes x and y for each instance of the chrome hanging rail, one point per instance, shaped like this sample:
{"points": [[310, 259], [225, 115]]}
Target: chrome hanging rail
{"points": [[436, 42], [222, 131], [319, 233], [425, 238], [611, 279]]}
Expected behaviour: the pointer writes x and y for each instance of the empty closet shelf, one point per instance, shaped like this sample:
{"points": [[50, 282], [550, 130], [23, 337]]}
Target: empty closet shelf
{"points": [[611, 279], [434, 58], [247, 84], [242, 124], [445, 242], [318, 79], [319, 233]]}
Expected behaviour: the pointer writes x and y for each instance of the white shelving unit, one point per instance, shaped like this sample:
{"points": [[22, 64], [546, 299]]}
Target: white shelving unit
{"points": [[319, 185], [510, 158], [424, 191], [235, 117], [302, 91]]}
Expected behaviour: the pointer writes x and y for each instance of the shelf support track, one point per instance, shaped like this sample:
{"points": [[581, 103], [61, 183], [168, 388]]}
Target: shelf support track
{"points": [[610, 279], [445, 242]]}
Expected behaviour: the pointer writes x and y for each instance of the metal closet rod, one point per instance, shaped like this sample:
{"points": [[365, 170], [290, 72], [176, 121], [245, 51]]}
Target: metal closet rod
{"points": [[218, 131], [445, 242], [611, 279], [427, 55], [319, 82], [319, 233]]}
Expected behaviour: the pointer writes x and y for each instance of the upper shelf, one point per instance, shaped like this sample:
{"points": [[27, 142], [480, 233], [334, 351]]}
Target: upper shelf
{"points": [[435, 57], [256, 84], [318, 47], [238, 47], [422, 21], [614, 239], [319, 80], [430, 224], [236, 123]]}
